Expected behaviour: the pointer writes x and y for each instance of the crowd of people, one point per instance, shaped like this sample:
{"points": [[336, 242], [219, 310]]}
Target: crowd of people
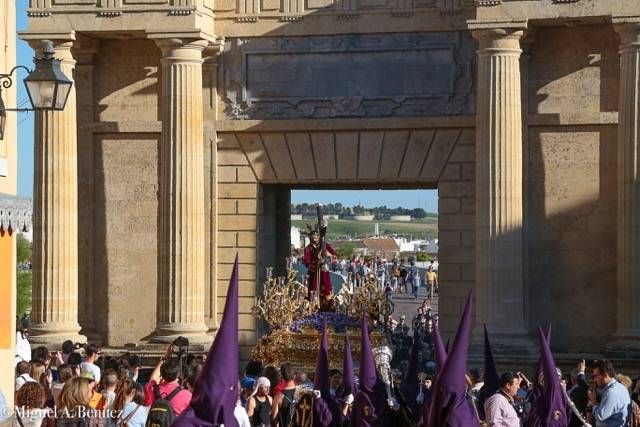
{"points": [[81, 386], [401, 276]]}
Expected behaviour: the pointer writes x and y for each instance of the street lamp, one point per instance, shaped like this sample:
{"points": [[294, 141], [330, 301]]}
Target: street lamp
{"points": [[47, 86]]}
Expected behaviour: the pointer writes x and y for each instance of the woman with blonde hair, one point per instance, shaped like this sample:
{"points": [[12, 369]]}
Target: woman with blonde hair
{"points": [[30, 409], [73, 403], [37, 369], [128, 407]]}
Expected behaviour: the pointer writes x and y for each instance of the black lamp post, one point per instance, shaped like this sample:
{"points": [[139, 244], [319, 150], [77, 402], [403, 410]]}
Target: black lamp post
{"points": [[47, 86]]}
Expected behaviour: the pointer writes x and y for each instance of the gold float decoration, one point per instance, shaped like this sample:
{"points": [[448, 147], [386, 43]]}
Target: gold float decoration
{"points": [[294, 321]]}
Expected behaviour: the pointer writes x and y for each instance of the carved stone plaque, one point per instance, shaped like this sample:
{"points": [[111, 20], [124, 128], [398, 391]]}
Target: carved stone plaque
{"points": [[415, 74]]}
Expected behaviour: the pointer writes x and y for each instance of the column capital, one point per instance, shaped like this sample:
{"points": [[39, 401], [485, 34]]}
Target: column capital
{"points": [[182, 49], [498, 40], [213, 51], [628, 28], [61, 46]]}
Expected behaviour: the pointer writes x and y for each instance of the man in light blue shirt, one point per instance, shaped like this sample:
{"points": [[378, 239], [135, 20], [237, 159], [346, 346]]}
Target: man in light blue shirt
{"points": [[613, 408]]}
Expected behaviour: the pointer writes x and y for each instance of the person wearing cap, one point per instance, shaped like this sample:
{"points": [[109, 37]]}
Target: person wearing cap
{"points": [[259, 404], [96, 400]]}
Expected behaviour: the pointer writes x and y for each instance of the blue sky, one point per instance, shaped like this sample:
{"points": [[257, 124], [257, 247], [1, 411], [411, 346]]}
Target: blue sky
{"points": [[426, 199], [25, 120]]}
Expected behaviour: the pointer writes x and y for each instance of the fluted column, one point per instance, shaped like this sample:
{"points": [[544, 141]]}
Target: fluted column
{"points": [[627, 335], [55, 228], [500, 296], [182, 226]]}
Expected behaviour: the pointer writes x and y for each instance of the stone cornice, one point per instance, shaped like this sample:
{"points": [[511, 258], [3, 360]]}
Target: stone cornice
{"points": [[15, 212]]}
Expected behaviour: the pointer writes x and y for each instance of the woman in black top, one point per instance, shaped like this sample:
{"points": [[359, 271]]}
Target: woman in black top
{"points": [[259, 404]]}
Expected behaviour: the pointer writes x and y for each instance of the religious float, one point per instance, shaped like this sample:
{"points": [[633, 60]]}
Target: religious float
{"points": [[293, 321]]}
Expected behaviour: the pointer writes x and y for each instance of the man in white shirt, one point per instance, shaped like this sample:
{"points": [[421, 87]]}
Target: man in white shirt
{"points": [[93, 352], [22, 374], [498, 409]]}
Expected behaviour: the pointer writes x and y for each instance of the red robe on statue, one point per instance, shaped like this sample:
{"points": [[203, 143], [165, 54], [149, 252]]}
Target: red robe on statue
{"points": [[311, 262]]}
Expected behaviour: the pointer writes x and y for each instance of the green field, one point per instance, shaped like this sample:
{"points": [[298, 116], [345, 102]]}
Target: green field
{"points": [[341, 228]]}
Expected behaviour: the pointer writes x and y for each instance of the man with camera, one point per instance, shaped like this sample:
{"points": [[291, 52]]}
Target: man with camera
{"points": [[164, 384], [499, 408]]}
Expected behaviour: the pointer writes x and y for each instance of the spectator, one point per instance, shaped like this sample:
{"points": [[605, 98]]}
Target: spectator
{"points": [[634, 413], [108, 387], [577, 392], [133, 364], [22, 374], [37, 369], [74, 363], [129, 400], [30, 410], [284, 400], [67, 349], [93, 352], [163, 381], [23, 349], [259, 404], [64, 374], [73, 402], [95, 401], [612, 409], [499, 410], [41, 354], [273, 374]]}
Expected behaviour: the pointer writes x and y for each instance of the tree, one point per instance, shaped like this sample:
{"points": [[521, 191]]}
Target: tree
{"points": [[418, 213], [422, 257], [23, 249], [23, 275], [346, 251]]}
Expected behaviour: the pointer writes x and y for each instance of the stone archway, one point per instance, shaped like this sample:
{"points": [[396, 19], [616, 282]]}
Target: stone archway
{"points": [[386, 155]]}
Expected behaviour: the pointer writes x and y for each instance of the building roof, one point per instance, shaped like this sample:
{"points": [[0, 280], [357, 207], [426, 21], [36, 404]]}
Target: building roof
{"points": [[380, 244]]}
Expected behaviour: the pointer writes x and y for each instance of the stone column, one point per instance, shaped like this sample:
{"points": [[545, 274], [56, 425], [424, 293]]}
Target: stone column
{"points": [[499, 292], [627, 335], [182, 225], [55, 210]]}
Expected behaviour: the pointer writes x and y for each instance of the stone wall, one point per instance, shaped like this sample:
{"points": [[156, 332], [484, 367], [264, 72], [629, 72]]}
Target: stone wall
{"points": [[117, 186], [456, 230], [381, 158], [571, 189]]}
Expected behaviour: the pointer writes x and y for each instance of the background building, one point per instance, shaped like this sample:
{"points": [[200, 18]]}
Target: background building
{"points": [[193, 120], [8, 188]]}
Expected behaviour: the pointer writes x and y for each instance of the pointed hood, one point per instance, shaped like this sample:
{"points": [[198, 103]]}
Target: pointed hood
{"points": [[439, 349], [216, 390], [449, 403], [446, 347], [536, 393], [347, 369], [491, 377], [410, 386], [321, 378], [550, 409], [368, 373], [368, 405]]}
